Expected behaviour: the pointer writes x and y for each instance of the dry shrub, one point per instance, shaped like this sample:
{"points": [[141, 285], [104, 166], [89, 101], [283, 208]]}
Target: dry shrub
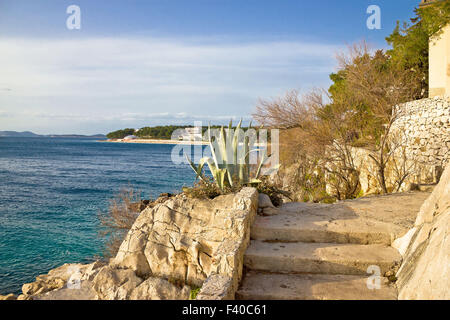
{"points": [[122, 211], [288, 111], [208, 190], [318, 147], [275, 194], [203, 189], [375, 81], [321, 129]]}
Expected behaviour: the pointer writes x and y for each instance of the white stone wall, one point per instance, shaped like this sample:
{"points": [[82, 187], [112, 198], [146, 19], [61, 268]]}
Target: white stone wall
{"points": [[426, 127]]}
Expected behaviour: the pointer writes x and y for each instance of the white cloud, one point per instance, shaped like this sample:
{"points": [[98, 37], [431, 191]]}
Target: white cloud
{"points": [[118, 80]]}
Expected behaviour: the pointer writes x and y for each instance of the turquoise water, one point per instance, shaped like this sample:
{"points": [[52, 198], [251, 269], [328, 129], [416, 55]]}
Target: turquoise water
{"points": [[51, 190]]}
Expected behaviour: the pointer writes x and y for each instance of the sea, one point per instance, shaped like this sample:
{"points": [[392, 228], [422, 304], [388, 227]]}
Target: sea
{"points": [[51, 190]]}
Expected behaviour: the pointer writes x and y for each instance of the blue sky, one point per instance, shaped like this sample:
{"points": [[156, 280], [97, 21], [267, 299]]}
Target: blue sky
{"points": [[137, 63]]}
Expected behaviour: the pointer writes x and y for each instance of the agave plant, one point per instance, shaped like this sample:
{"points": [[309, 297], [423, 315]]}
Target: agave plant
{"points": [[230, 164]]}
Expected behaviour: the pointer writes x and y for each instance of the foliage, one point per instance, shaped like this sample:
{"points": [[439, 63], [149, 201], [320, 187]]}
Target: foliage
{"points": [[157, 132], [357, 111], [410, 42], [203, 189], [118, 219], [376, 83], [194, 293], [275, 194], [120, 134], [230, 163]]}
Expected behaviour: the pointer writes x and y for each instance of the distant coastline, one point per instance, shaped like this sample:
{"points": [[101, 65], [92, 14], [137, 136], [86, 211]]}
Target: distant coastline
{"points": [[29, 134], [156, 141]]}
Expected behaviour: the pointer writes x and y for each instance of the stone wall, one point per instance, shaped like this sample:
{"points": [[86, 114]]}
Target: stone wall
{"points": [[420, 138], [425, 271], [426, 127]]}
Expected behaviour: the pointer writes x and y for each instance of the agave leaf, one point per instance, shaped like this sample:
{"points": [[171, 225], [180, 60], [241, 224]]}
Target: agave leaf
{"points": [[197, 170], [235, 150], [272, 169], [261, 163], [244, 163], [219, 177], [211, 146], [222, 148]]}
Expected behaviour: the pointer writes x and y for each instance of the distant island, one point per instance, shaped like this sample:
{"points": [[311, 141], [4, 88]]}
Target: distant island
{"points": [[185, 132], [29, 134]]}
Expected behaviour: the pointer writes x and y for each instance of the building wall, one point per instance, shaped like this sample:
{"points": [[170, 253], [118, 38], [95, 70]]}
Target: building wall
{"points": [[426, 127], [422, 136], [440, 64]]}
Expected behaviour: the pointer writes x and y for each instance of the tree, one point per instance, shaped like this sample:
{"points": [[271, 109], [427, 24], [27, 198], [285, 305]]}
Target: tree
{"points": [[410, 43], [288, 111], [120, 134], [375, 84], [357, 111], [316, 133], [360, 107]]}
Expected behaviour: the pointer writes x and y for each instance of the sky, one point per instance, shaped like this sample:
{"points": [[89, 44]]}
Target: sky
{"points": [[139, 63]]}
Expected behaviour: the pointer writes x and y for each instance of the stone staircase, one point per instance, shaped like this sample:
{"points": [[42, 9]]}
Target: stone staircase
{"points": [[311, 251]]}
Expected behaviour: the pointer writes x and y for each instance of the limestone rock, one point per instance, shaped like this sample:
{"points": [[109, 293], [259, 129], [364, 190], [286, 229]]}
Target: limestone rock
{"points": [[438, 200], [8, 297], [178, 238], [159, 289], [216, 287], [429, 277], [401, 244], [270, 211], [58, 278], [424, 273], [81, 291], [115, 284], [264, 201], [42, 285]]}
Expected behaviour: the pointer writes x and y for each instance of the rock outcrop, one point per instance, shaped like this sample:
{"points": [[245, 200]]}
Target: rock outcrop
{"points": [[424, 273], [172, 247], [8, 297]]}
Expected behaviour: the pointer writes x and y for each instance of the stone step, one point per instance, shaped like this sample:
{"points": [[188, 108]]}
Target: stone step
{"points": [[308, 227], [260, 286], [326, 258]]}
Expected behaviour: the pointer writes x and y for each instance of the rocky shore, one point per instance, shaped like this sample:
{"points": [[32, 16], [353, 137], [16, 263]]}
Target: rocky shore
{"points": [[175, 248], [185, 248]]}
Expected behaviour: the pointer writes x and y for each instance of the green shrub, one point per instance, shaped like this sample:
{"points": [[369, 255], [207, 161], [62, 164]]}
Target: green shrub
{"points": [[194, 293], [203, 189]]}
